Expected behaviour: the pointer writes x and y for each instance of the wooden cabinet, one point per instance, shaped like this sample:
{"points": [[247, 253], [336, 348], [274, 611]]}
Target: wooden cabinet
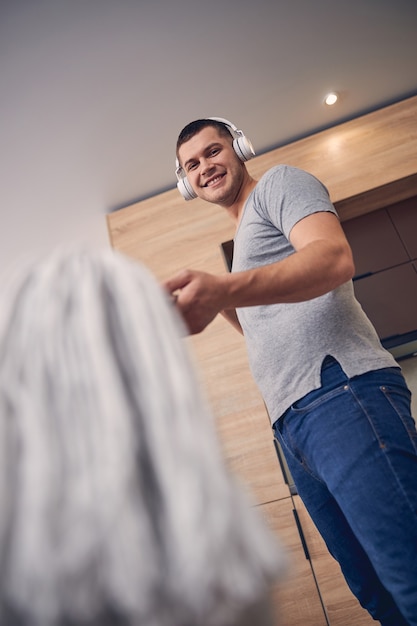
{"points": [[296, 598], [384, 245], [375, 243], [390, 300], [404, 218]]}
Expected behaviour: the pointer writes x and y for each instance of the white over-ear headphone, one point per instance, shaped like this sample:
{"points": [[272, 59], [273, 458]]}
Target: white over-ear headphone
{"points": [[241, 145]]}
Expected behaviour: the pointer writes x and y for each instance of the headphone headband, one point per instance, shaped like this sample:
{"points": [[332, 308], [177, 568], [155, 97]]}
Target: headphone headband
{"points": [[226, 123]]}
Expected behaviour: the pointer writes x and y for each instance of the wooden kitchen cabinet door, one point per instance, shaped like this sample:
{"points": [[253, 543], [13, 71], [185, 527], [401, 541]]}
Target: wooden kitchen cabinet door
{"points": [[375, 242], [296, 598], [389, 298], [404, 217]]}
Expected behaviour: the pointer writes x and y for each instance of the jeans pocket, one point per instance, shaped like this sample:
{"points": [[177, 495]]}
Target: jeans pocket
{"points": [[399, 398], [317, 397]]}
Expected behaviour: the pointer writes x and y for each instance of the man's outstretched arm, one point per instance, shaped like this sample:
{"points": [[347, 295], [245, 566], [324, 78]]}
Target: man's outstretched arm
{"points": [[321, 262]]}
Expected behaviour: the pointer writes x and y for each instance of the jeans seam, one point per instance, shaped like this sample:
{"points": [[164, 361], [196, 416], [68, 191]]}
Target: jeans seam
{"points": [[382, 445], [388, 395]]}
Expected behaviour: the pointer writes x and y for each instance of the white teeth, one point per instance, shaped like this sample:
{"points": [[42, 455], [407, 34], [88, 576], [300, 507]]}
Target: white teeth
{"points": [[211, 182]]}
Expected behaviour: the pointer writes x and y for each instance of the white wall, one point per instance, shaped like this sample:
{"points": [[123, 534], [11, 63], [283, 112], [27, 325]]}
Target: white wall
{"points": [[93, 93]]}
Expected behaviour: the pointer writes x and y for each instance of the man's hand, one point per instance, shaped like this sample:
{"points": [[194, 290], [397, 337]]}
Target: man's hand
{"points": [[199, 297]]}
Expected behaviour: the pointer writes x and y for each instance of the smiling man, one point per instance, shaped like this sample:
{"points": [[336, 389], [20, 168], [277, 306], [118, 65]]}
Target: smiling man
{"points": [[337, 400], [211, 166]]}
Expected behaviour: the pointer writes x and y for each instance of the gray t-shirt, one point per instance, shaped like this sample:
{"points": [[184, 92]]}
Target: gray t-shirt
{"points": [[287, 343]]}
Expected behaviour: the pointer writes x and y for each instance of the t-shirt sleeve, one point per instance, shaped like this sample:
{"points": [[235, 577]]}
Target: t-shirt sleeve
{"points": [[287, 194]]}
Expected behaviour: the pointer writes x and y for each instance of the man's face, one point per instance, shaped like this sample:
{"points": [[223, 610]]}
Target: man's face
{"points": [[212, 167]]}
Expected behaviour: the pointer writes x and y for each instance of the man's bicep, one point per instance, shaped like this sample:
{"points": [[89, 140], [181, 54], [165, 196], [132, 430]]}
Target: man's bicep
{"points": [[320, 225]]}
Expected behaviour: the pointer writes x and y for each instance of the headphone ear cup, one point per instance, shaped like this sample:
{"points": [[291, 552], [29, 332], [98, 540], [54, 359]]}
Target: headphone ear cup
{"points": [[185, 189], [243, 148]]}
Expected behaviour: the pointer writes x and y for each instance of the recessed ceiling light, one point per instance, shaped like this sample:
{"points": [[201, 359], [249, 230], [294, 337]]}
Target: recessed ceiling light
{"points": [[331, 98]]}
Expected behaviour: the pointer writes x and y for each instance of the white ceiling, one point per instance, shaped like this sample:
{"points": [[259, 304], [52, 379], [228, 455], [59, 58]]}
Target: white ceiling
{"points": [[94, 93]]}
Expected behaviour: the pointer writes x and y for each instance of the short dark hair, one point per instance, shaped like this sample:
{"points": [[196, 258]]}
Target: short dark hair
{"points": [[194, 127]]}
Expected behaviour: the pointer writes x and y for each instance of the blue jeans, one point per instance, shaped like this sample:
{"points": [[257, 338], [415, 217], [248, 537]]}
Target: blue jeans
{"points": [[351, 447]]}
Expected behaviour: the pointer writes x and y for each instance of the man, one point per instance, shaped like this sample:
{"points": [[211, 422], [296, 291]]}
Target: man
{"points": [[337, 400]]}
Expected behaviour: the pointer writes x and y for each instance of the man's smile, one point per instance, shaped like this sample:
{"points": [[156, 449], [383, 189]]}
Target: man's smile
{"points": [[214, 180]]}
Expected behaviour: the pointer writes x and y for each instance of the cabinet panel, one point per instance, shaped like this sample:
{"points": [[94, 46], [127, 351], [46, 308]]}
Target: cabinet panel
{"points": [[375, 242], [390, 300], [296, 598], [404, 217]]}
